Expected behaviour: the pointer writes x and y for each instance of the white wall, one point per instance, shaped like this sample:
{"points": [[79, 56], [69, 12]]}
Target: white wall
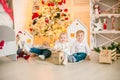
{"points": [[22, 13]]}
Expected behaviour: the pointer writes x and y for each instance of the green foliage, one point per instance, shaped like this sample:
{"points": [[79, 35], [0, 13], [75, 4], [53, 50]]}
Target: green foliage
{"points": [[111, 47], [118, 48], [103, 47], [97, 49]]}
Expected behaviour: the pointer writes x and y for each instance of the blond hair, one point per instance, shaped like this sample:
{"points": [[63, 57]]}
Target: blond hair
{"points": [[63, 33], [79, 31]]}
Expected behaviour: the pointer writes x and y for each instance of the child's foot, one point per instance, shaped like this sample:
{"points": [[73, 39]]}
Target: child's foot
{"points": [[65, 62], [71, 59], [42, 57], [87, 58]]}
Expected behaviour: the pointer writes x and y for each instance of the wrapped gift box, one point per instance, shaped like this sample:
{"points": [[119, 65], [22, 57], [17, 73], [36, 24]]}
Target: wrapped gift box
{"points": [[107, 56]]}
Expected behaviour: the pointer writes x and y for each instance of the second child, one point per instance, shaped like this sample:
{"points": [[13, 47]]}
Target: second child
{"points": [[80, 49], [62, 44]]}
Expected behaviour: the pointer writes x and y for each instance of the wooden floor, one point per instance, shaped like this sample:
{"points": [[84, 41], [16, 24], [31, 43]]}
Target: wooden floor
{"points": [[42, 70]]}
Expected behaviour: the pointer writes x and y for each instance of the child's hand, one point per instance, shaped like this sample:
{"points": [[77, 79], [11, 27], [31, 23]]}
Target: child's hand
{"points": [[87, 58]]}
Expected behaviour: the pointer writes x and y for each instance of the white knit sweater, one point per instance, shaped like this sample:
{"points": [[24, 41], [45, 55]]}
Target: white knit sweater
{"points": [[80, 47], [63, 47]]}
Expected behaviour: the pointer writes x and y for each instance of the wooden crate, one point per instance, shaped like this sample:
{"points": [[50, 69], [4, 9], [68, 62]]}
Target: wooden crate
{"points": [[107, 56], [56, 57], [118, 55]]}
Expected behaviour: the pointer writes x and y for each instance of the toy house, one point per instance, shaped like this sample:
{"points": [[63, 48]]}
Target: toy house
{"points": [[71, 30]]}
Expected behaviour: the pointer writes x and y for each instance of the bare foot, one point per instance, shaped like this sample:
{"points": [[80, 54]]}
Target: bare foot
{"points": [[87, 58]]}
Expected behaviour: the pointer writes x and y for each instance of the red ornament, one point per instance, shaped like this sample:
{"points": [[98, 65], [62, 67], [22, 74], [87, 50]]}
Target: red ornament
{"points": [[65, 10], [64, 1], [46, 20], [66, 18], [52, 4], [43, 2], [48, 4], [59, 3], [31, 29], [35, 15]]}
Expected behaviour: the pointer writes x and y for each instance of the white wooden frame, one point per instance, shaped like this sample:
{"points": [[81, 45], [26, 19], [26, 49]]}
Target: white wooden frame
{"points": [[8, 35]]}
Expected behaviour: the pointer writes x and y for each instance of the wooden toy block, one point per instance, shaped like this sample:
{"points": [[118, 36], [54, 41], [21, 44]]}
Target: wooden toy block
{"points": [[56, 57]]}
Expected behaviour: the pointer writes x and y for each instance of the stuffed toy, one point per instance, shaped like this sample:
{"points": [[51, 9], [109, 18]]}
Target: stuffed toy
{"points": [[105, 24], [97, 9], [22, 54], [20, 44]]}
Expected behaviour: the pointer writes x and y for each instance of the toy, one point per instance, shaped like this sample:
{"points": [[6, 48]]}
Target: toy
{"points": [[105, 24], [22, 54], [20, 44], [56, 57], [113, 22], [98, 25], [97, 9]]}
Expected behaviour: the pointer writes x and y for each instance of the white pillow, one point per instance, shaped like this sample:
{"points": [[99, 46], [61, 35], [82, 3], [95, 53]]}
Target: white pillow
{"points": [[1, 8], [5, 20]]}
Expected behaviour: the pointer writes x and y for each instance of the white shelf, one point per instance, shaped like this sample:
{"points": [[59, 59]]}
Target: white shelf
{"points": [[104, 37], [106, 15], [106, 31]]}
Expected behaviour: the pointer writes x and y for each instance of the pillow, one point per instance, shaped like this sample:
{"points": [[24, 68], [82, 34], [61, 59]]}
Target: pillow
{"points": [[5, 20], [1, 8]]}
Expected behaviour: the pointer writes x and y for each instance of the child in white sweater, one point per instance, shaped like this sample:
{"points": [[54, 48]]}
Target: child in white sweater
{"points": [[62, 44], [80, 49]]}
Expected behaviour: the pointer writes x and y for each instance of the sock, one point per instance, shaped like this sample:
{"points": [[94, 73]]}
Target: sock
{"points": [[42, 57]]}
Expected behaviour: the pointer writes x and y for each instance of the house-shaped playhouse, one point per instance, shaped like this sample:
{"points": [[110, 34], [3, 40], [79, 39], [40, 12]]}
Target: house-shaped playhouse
{"points": [[75, 26]]}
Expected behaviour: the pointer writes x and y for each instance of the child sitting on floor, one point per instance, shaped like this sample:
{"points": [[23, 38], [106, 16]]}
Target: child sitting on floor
{"points": [[80, 49], [42, 51], [63, 45]]}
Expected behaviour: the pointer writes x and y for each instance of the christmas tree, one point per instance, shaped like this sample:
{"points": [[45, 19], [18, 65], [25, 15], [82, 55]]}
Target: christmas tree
{"points": [[49, 18]]}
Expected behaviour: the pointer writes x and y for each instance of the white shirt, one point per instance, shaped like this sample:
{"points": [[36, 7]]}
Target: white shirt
{"points": [[80, 47], [63, 47]]}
